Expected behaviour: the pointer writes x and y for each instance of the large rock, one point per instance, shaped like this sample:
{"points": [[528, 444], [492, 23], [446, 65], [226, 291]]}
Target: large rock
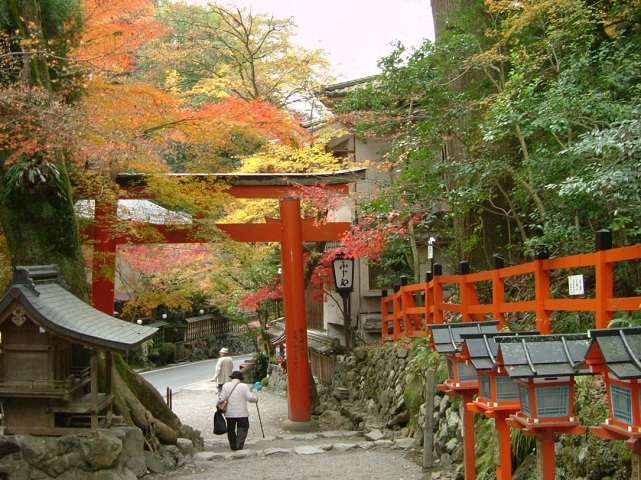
{"points": [[333, 420], [102, 451], [154, 463], [113, 454], [15, 468], [133, 449]]}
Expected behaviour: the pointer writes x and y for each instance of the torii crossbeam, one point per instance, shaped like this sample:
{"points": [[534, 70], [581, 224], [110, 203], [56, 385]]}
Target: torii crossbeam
{"points": [[290, 230]]}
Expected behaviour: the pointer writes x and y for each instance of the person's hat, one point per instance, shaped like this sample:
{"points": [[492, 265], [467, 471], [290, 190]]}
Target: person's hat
{"points": [[236, 374], [224, 350]]}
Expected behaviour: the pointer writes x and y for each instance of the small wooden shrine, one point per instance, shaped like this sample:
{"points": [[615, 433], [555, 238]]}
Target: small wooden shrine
{"points": [[56, 357]]}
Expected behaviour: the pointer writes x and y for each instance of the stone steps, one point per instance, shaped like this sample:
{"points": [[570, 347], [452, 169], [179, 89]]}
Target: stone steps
{"points": [[301, 444]]}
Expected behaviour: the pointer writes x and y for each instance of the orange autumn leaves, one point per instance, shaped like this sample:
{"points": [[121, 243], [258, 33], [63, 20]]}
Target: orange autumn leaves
{"points": [[113, 30], [137, 126]]}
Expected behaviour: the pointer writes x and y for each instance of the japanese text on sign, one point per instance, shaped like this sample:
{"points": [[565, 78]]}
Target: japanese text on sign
{"points": [[575, 283], [343, 273]]}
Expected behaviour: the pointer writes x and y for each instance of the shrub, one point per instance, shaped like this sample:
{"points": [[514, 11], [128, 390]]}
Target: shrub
{"points": [[163, 355]]}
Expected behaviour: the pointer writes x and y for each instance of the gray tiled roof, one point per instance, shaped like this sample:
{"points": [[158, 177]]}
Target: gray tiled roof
{"points": [[446, 337], [44, 296], [621, 350], [482, 349], [543, 355], [199, 318], [139, 211]]}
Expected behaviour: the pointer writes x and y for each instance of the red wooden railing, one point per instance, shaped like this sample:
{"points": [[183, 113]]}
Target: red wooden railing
{"points": [[408, 311]]}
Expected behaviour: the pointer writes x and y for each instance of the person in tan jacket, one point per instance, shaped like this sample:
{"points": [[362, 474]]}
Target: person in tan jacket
{"points": [[224, 367], [237, 394]]}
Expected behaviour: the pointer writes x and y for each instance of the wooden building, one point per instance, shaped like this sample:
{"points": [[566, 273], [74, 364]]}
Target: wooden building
{"points": [[322, 350], [56, 359]]}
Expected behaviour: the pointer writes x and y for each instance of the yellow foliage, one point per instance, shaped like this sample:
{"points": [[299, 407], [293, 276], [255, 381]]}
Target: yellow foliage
{"points": [[212, 87], [286, 159], [252, 211]]}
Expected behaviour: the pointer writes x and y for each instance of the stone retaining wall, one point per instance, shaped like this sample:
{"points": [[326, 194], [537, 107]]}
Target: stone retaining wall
{"points": [[117, 453], [372, 389]]}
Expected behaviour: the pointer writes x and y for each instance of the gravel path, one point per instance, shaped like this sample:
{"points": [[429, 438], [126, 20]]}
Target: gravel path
{"points": [[282, 455]]}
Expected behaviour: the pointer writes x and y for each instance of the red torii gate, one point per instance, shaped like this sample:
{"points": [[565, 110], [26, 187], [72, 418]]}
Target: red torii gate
{"points": [[290, 230]]}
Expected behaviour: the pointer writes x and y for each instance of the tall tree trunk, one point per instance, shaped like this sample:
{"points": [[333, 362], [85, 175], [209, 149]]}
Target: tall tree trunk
{"points": [[40, 227], [447, 16]]}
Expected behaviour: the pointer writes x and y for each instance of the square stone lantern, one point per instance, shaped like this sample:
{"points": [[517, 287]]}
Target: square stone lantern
{"points": [[544, 367], [616, 352]]}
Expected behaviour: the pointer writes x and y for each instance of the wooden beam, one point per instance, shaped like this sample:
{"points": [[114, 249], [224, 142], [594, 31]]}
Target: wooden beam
{"points": [[237, 191], [243, 185], [270, 231]]}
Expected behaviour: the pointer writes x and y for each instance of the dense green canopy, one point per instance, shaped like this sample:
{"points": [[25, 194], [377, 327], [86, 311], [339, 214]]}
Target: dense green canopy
{"points": [[518, 126]]}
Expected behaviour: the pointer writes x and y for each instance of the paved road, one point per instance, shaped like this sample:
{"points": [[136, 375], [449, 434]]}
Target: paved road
{"points": [[177, 377], [274, 454]]}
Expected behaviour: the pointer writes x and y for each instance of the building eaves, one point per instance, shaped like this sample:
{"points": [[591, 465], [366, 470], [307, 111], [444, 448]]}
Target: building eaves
{"points": [[254, 179], [317, 341], [45, 298], [138, 210], [482, 349], [448, 337]]}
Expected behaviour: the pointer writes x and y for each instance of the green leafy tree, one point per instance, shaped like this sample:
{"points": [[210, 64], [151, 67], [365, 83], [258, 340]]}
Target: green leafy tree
{"points": [[39, 150], [37, 125], [538, 144]]}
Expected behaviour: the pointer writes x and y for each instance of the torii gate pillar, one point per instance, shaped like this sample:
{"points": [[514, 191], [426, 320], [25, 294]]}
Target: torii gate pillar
{"points": [[298, 375], [291, 230]]}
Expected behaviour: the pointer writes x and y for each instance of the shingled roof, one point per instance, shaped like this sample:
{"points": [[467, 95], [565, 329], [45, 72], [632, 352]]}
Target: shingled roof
{"points": [[543, 355], [43, 294], [316, 341], [446, 337], [620, 349], [482, 349]]}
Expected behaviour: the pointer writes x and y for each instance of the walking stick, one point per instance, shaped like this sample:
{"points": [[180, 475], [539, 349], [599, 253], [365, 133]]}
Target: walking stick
{"points": [[260, 421]]}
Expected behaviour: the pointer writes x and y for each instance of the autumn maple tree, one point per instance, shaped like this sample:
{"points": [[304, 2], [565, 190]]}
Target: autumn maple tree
{"points": [[167, 276], [112, 33], [215, 52], [38, 128]]}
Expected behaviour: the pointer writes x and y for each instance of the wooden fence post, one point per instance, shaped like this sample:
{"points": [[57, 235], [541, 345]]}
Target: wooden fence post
{"points": [[542, 292], [437, 290], [428, 300], [428, 433], [398, 313], [498, 291], [604, 275]]}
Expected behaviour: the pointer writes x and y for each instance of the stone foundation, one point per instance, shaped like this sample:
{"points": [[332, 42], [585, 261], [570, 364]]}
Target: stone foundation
{"points": [[112, 454]]}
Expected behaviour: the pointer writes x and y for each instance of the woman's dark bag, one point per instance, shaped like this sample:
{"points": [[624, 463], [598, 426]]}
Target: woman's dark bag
{"points": [[220, 424]]}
